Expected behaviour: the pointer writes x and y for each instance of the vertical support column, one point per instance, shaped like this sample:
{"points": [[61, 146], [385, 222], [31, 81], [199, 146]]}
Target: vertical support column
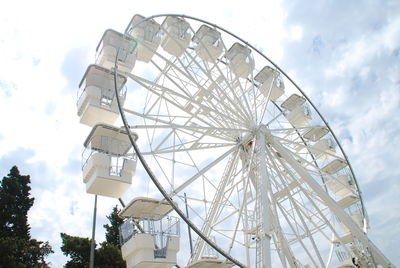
{"points": [[265, 204], [93, 244]]}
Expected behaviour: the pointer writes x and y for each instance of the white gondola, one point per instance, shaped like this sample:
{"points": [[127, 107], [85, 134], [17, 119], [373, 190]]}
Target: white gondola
{"points": [[340, 185], [294, 101], [347, 237], [344, 238], [113, 43], [144, 207], [348, 200], [334, 166], [323, 149], [96, 98], [147, 35], [176, 35], [270, 82], [316, 133], [347, 264], [210, 263], [240, 60], [209, 44], [299, 116], [149, 238], [108, 161]]}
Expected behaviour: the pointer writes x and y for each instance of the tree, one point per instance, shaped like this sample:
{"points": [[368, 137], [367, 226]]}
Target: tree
{"points": [[108, 255], [112, 231], [78, 249], [15, 204], [17, 252], [16, 246]]}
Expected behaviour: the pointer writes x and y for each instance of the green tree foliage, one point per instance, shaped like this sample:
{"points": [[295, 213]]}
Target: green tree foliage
{"points": [[112, 231], [15, 204], [78, 249], [17, 249], [108, 255], [21, 253]]}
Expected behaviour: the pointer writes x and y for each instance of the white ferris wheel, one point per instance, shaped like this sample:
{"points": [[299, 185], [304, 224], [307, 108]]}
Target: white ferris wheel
{"points": [[234, 147]]}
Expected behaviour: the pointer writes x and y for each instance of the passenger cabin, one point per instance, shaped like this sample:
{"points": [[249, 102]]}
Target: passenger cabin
{"points": [[334, 166], [346, 236], [240, 60], [176, 35], [147, 35], [108, 161], [268, 79], [209, 258], [348, 200], [97, 102], [348, 263], [149, 237], [299, 116], [210, 262], [340, 185], [115, 46], [316, 133], [208, 43], [293, 102], [323, 149]]}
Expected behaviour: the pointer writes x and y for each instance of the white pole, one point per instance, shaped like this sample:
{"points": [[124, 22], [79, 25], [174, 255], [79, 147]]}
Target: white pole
{"points": [[92, 246], [265, 204]]}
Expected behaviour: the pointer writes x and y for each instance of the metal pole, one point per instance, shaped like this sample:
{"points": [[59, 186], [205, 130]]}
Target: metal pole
{"points": [[189, 230], [265, 204], [91, 264], [122, 202]]}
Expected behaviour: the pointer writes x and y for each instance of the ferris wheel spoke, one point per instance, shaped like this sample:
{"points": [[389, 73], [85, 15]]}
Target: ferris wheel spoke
{"points": [[280, 239], [317, 208], [240, 217], [190, 79], [233, 82], [308, 233], [221, 96], [298, 237], [217, 202], [160, 90], [208, 130], [335, 208], [184, 148], [226, 83], [202, 171], [198, 128], [299, 208]]}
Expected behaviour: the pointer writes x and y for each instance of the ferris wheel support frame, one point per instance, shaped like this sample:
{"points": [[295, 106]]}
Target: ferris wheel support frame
{"points": [[265, 203], [262, 135]]}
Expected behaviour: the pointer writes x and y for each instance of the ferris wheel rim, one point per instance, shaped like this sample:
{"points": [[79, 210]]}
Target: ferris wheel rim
{"points": [[127, 127]]}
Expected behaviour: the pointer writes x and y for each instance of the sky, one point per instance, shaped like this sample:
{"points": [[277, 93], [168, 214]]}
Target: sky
{"points": [[345, 55]]}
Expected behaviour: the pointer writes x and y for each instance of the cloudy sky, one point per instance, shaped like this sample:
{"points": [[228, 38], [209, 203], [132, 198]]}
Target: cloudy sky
{"points": [[344, 54]]}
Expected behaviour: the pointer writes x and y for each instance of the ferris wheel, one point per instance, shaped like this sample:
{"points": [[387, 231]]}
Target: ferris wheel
{"points": [[226, 134]]}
